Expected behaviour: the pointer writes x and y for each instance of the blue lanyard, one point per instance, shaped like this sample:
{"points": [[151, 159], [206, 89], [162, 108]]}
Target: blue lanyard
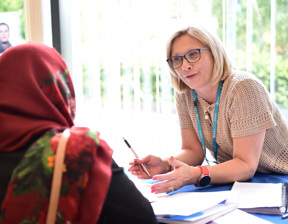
{"points": [[214, 122]]}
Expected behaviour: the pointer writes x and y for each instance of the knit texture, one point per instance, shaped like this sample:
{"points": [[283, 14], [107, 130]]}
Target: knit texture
{"points": [[245, 109]]}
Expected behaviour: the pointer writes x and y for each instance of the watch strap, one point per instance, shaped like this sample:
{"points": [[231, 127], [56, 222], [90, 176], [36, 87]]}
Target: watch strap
{"points": [[205, 172]]}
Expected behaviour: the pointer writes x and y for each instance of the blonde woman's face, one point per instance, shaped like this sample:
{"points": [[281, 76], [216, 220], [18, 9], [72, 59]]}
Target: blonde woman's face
{"points": [[195, 75]]}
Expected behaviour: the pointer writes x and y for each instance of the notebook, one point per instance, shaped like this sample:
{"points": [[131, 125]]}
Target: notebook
{"points": [[201, 217], [263, 198], [191, 207]]}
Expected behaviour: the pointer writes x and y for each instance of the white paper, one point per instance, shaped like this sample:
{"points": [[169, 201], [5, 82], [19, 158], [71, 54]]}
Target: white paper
{"points": [[145, 189], [239, 217], [253, 195], [187, 203]]}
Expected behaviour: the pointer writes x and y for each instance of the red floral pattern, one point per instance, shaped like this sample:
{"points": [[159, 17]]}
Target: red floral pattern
{"points": [[39, 98]]}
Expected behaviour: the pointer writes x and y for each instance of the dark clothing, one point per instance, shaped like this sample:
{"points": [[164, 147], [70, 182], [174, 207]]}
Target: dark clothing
{"points": [[2, 48], [124, 203], [8, 161]]}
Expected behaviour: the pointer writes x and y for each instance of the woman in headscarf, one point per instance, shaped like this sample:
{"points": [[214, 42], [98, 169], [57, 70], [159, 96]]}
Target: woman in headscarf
{"points": [[37, 104]]}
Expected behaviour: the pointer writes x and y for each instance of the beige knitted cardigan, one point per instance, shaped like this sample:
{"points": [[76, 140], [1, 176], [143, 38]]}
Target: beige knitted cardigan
{"points": [[245, 108]]}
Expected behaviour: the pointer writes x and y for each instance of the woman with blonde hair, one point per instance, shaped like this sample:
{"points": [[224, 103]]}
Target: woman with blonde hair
{"points": [[228, 112]]}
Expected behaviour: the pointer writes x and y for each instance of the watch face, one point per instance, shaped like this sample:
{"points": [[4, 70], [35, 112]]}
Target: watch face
{"points": [[204, 181]]}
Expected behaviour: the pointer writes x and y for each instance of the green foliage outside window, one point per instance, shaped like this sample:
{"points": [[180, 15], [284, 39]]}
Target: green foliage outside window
{"points": [[261, 43]]}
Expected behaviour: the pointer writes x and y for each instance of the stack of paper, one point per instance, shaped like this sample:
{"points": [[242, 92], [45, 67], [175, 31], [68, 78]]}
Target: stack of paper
{"points": [[202, 217], [191, 207], [239, 217], [265, 198], [208, 207]]}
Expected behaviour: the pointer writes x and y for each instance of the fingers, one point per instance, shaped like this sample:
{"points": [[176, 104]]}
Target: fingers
{"points": [[137, 170], [138, 161], [162, 176], [143, 160], [135, 166], [164, 187], [171, 189], [168, 183], [135, 162], [166, 176], [172, 180], [171, 161], [175, 163]]}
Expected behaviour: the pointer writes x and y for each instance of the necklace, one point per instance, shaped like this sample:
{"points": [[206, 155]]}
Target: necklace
{"points": [[214, 133]]}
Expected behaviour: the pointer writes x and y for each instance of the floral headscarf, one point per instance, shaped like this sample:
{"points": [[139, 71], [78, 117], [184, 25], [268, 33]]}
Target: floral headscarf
{"points": [[36, 94], [37, 103]]}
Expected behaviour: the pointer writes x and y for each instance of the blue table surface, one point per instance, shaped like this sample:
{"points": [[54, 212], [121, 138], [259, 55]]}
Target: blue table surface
{"points": [[258, 178]]}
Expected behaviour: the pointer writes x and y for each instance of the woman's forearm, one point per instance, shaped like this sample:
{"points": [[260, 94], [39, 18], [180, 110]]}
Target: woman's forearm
{"points": [[231, 171], [190, 157]]}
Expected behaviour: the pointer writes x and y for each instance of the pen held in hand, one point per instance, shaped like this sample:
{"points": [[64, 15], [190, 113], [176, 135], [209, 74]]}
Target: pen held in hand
{"points": [[137, 157]]}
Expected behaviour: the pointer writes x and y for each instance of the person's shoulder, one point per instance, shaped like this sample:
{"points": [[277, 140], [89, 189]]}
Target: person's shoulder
{"points": [[240, 83], [239, 79], [184, 92], [188, 93], [85, 134], [238, 76], [184, 97]]}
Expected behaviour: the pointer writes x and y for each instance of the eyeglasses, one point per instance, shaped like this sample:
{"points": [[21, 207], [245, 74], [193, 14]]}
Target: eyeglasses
{"points": [[191, 56]]}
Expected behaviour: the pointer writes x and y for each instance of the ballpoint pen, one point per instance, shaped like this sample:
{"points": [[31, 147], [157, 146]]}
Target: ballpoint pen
{"points": [[137, 157]]}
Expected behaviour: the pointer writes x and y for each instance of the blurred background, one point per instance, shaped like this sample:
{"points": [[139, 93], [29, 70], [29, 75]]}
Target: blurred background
{"points": [[116, 52]]}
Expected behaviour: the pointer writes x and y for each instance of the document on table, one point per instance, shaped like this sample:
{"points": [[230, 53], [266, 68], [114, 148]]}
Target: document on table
{"points": [[265, 198], [183, 203], [145, 189], [202, 217], [239, 217], [187, 203]]}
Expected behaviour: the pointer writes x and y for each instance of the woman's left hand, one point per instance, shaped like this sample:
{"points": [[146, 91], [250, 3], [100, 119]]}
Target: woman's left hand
{"points": [[182, 175]]}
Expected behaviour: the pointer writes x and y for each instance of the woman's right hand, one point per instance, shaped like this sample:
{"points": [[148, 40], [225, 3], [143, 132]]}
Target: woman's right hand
{"points": [[155, 164]]}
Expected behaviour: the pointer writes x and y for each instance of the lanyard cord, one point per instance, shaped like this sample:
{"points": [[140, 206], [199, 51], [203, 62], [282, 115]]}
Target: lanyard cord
{"points": [[214, 133]]}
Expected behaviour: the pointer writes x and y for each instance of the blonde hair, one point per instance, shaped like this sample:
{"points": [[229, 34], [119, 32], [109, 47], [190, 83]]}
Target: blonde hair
{"points": [[222, 65]]}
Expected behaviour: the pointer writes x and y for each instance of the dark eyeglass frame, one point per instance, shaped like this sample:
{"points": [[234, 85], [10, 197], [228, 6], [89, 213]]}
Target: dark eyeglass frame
{"points": [[184, 56]]}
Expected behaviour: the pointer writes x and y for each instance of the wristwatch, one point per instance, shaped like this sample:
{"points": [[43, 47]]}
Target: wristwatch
{"points": [[205, 178]]}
